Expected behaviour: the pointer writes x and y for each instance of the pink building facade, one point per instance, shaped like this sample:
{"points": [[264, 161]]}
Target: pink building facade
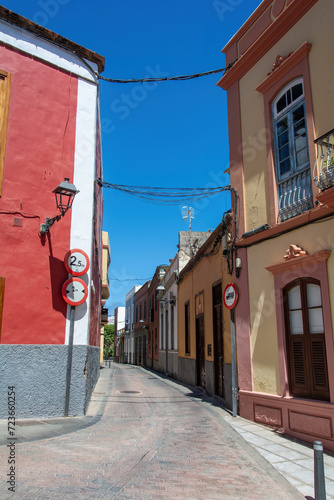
{"points": [[281, 165]]}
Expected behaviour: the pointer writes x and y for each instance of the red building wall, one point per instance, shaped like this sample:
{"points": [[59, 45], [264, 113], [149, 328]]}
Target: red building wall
{"points": [[39, 154]]}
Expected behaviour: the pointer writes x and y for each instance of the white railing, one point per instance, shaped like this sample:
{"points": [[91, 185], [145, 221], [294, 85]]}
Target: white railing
{"points": [[323, 171], [295, 195]]}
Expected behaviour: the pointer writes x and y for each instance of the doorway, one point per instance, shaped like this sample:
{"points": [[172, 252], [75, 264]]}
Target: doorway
{"points": [[200, 350], [218, 338]]}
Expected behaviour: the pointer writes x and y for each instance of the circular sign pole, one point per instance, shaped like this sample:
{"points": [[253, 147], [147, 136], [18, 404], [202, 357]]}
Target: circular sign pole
{"points": [[230, 298], [69, 363], [74, 292]]}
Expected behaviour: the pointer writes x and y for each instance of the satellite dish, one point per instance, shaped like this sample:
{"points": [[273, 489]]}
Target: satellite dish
{"points": [[188, 213]]}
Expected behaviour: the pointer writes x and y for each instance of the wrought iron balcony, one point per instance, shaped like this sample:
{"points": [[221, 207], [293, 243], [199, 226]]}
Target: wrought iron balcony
{"points": [[323, 172], [295, 195]]}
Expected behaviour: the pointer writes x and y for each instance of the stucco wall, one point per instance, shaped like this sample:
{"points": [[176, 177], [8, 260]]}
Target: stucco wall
{"points": [[207, 271], [262, 296], [255, 136], [187, 371], [33, 266], [38, 373]]}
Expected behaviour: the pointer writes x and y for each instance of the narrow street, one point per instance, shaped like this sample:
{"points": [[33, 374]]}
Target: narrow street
{"points": [[144, 437]]}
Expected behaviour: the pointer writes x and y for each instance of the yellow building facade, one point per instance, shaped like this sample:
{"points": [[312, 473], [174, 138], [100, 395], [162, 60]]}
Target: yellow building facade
{"points": [[203, 322]]}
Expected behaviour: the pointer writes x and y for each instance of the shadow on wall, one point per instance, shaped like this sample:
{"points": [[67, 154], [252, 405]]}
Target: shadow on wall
{"points": [[58, 276]]}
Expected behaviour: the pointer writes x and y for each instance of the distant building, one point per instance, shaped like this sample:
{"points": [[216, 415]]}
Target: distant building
{"points": [[141, 324], [49, 131], [189, 243], [105, 287], [153, 319], [119, 330], [128, 341]]}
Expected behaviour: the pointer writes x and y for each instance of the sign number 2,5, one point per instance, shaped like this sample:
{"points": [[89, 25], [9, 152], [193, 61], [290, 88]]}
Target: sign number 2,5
{"points": [[76, 262]]}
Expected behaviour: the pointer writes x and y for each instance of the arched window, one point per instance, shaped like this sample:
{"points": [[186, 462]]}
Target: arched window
{"points": [[305, 336], [292, 161]]}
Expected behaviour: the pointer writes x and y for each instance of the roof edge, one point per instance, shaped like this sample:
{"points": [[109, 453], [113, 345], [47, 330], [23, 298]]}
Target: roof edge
{"points": [[19, 21]]}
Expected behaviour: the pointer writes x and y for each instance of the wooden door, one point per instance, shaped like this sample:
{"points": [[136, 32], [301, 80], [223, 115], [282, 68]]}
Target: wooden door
{"points": [[200, 351], [218, 337]]}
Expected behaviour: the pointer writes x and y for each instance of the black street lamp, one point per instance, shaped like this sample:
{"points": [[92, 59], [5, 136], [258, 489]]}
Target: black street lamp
{"points": [[64, 194]]}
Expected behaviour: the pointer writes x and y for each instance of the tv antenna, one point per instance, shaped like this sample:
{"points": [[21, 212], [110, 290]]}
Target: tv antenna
{"points": [[188, 213]]}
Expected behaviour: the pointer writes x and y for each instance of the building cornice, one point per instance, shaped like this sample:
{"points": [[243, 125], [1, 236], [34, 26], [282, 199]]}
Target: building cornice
{"points": [[316, 214], [276, 29]]}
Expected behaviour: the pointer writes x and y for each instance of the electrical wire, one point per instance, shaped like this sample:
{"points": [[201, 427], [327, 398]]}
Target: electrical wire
{"points": [[26, 216], [131, 80], [130, 279], [162, 195], [166, 78]]}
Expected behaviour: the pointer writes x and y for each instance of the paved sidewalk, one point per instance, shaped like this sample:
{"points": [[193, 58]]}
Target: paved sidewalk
{"points": [[292, 458], [148, 437]]}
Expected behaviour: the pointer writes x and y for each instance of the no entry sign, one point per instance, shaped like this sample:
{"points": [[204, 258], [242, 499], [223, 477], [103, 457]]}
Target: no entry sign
{"points": [[74, 291], [230, 296]]}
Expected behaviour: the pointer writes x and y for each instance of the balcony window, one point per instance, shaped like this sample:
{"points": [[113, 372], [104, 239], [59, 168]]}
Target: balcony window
{"points": [[294, 183], [323, 172]]}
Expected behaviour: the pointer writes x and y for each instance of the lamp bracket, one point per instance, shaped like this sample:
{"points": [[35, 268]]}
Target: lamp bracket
{"points": [[44, 228]]}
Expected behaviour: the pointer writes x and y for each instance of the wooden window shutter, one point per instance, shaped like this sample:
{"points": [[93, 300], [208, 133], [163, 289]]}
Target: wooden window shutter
{"points": [[5, 84], [319, 365], [298, 363]]}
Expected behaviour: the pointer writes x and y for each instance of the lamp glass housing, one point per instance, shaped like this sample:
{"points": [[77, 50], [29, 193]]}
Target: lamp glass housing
{"points": [[65, 194]]}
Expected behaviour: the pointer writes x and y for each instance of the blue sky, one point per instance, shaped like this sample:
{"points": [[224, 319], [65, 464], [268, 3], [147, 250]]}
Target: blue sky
{"points": [[171, 134]]}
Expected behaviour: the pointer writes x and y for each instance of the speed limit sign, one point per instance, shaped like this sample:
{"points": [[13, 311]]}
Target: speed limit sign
{"points": [[76, 262], [74, 291]]}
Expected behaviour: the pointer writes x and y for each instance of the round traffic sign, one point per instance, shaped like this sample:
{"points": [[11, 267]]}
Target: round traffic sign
{"points": [[74, 291], [230, 296], [76, 262]]}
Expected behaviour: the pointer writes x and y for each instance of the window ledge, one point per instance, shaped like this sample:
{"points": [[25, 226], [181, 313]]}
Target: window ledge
{"points": [[285, 67], [303, 261], [327, 197]]}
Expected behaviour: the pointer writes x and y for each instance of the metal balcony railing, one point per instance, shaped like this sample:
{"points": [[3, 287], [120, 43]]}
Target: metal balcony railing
{"points": [[323, 171], [295, 195]]}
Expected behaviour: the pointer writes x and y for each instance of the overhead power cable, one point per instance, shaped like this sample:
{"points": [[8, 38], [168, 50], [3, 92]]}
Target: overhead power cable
{"points": [[162, 195], [165, 78], [130, 279]]}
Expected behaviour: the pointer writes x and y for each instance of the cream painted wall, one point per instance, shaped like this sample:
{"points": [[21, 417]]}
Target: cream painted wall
{"points": [[312, 238], [254, 135], [201, 278], [254, 150]]}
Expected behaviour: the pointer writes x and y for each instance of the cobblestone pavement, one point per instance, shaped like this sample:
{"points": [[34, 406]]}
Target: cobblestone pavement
{"points": [[144, 437]]}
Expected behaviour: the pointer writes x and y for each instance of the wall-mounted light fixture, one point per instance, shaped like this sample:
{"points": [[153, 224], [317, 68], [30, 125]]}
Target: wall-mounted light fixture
{"points": [[160, 291], [171, 300], [65, 194], [238, 266]]}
